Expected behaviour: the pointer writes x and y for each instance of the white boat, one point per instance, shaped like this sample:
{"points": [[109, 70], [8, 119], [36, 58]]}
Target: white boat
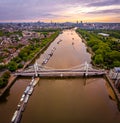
{"points": [[14, 116], [35, 81], [22, 98], [32, 79], [31, 83], [27, 89], [54, 48], [59, 41], [34, 84], [30, 91], [46, 61], [26, 98], [18, 106]]}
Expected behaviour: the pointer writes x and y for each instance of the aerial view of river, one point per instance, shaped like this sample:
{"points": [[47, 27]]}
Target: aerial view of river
{"points": [[63, 100]]}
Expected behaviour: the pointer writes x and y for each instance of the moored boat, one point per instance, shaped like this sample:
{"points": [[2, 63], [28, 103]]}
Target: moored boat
{"points": [[30, 91], [35, 81], [22, 98], [31, 83], [18, 118], [26, 98], [14, 116], [27, 89], [23, 107], [18, 106]]}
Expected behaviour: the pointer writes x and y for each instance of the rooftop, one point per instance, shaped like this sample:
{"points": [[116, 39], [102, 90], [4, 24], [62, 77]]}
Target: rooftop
{"points": [[104, 34], [117, 69]]}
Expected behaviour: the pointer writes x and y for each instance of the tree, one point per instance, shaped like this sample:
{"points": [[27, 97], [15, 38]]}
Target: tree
{"points": [[116, 63], [114, 55], [17, 59], [12, 66], [4, 79], [98, 59]]}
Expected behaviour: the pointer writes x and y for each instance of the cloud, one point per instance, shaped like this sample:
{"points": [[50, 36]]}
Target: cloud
{"points": [[109, 11], [99, 3], [48, 9]]}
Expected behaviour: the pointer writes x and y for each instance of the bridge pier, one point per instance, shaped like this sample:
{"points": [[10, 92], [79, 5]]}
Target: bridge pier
{"points": [[86, 67]]}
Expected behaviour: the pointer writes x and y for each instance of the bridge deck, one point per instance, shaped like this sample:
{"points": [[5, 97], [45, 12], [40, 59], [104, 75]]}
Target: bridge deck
{"points": [[75, 73]]}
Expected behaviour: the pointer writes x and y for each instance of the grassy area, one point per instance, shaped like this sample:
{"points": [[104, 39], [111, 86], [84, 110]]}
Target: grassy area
{"points": [[106, 49]]}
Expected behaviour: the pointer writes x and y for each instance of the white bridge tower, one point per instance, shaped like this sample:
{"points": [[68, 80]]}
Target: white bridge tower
{"points": [[86, 67], [36, 69]]}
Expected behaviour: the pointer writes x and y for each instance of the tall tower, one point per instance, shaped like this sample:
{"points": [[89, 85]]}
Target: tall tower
{"points": [[51, 22], [77, 22]]}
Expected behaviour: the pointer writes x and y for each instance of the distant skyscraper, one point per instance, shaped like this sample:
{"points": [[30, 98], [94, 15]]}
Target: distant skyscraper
{"points": [[77, 22]]}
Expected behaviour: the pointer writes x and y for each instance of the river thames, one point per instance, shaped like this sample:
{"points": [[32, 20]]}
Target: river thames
{"points": [[72, 100]]}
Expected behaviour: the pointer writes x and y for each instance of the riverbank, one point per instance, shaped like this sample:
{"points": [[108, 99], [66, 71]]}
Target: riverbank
{"points": [[10, 83], [88, 49], [36, 55], [85, 42], [13, 78], [115, 90]]}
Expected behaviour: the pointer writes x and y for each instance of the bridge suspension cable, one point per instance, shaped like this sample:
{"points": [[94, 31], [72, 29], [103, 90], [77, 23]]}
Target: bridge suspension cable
{"points": [[74, 67]]}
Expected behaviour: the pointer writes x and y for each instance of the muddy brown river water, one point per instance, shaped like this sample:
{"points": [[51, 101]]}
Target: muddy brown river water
{"points": [[75, 100]]}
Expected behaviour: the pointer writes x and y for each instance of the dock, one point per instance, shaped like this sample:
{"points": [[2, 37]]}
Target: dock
{"points": [[23, 101]]}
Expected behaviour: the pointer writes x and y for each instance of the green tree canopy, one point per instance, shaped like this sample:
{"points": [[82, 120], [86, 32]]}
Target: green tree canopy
{"points": [[98, 59], [12, 66]]}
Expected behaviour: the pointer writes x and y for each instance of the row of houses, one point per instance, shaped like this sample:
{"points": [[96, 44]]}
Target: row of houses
{"points": [[10, 45]]}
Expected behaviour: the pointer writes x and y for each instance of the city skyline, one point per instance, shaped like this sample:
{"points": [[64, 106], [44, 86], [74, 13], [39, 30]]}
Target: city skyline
{"points": [[60, 10]]}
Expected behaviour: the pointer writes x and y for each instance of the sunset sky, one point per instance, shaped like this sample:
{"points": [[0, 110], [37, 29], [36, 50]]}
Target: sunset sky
{"points": [[60, 10]]}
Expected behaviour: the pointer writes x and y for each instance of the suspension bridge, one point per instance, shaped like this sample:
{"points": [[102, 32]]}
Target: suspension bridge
{"points": [[45, 71]]}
